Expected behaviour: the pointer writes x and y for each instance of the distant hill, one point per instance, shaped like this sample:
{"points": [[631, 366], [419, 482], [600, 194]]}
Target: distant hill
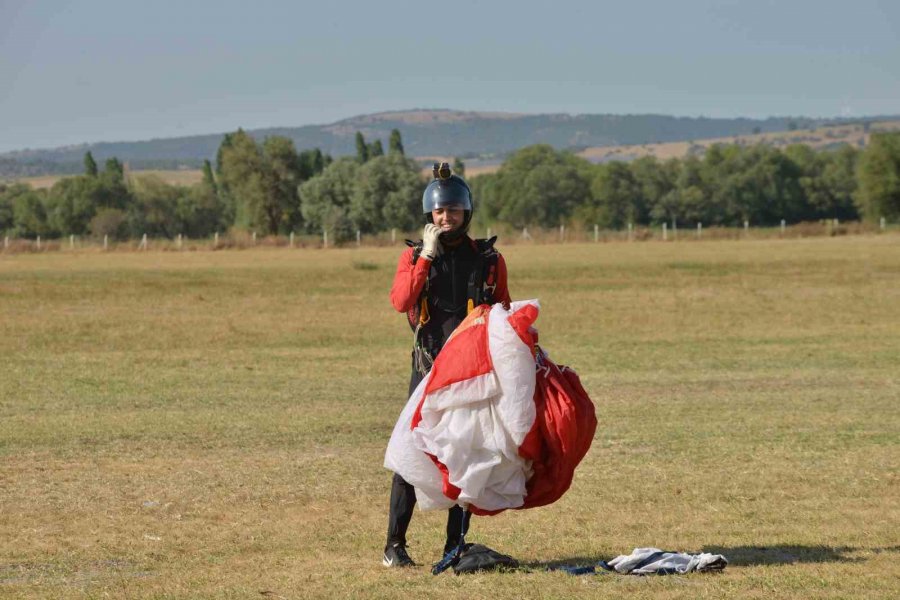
{"points": [[425, 133]]}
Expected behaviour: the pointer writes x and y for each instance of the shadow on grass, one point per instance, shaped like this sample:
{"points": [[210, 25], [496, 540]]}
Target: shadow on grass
{"points": [[574, 561], [787, 554], [745, 556]]}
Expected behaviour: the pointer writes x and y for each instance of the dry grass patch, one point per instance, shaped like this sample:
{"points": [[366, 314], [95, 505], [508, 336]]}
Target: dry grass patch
{"points": [[211, 424]]}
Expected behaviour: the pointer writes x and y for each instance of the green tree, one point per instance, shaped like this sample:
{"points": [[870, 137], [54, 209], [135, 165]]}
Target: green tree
{"points": [[395, 144], [839, 175], [326, 199], [537, 186], [90, 165], [615, 192], [376, 149], [828, 181], [362, 150], [7, 194], [693, 194], [757, 184], [282, 209], [656, 183], [313, 162], [29, 214], [486, 195], [199, 211], [459, 167], [154, 210], [226, 198], [209, 180], [261, 183], [72, 202], [879, 177], [387, 193], [241, 176], [223, 147], [113, 188], [114, 169], [110, 222]]}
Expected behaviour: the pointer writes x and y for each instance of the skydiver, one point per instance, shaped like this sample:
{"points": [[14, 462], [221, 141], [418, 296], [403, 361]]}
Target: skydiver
{"points": [[438, 281]]}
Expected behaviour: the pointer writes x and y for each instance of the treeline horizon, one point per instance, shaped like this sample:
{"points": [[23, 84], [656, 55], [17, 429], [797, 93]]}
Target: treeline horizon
{"points": [[269, 188]]}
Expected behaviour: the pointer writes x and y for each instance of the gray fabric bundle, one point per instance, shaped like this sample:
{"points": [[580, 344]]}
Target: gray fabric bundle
{"points": [[653, 561]]}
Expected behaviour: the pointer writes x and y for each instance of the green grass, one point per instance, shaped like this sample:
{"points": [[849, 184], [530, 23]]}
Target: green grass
{"points": [[212, 424]]}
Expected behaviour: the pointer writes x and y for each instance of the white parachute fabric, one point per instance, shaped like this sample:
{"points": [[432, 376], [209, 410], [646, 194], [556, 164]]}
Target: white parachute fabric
{"points": [[470, 415]]}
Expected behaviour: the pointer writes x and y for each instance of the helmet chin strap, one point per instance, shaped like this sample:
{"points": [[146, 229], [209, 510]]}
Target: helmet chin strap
{"points": [[452, 236]]}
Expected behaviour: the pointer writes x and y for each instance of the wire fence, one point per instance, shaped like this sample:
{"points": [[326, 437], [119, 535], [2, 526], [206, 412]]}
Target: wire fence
{"points": [[508, 235]]}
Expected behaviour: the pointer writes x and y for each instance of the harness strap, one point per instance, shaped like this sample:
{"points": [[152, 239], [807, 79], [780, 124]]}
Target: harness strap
{"points": [[452, 557]]}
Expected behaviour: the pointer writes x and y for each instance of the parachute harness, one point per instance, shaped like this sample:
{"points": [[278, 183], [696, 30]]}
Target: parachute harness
{"points": [[480, 290], [452, 557], [423, 360]]}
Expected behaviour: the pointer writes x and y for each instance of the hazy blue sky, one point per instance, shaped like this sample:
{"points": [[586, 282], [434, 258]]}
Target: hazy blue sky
{"points": [[75, 72]]}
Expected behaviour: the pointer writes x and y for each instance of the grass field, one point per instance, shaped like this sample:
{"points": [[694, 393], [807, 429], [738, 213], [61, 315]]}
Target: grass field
{"points": [[212, 424]]}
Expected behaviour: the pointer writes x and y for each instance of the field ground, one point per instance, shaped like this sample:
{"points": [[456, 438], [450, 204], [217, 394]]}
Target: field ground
{"points": [[170, 176], [212, 424]]}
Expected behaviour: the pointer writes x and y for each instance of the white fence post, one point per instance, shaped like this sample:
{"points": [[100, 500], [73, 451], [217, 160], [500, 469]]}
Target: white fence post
{"points": [[324, 238], [394, 236], [699, 230], [216, 240], [746, 228], [358, 238], [292, 239], [180, 242], [630, 230], [6, 243], [488, 233], [144, 242], [525, 235], [39, 242], [254, 238], [105, 241], [783, 223], [71, 242], [562, 233], [665, 233], [596, 232], [882, 223]]}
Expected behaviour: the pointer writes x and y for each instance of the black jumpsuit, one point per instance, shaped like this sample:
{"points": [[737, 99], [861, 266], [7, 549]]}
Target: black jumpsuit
{"points": [[448, 280]]}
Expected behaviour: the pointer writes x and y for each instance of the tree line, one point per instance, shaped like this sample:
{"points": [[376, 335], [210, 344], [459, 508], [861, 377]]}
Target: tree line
{"points": [[727, 186], [267, 187], [270, 188]]}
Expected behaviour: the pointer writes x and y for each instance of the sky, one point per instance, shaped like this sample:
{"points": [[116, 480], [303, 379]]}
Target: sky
{"points": [[98, 70]]}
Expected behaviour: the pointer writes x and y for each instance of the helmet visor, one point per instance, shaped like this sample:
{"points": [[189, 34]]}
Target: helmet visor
{"points": [[448, 193]]}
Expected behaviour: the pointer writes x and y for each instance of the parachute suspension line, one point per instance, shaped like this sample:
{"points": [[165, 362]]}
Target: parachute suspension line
{"points": [[423, 361], [452, 557]]}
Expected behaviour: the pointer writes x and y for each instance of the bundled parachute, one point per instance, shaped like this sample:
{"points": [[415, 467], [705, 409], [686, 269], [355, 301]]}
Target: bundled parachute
{"points": [[495, 424]]}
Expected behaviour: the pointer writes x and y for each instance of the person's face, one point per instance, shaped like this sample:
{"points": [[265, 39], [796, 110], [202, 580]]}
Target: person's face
{"points": [[448, 219]]}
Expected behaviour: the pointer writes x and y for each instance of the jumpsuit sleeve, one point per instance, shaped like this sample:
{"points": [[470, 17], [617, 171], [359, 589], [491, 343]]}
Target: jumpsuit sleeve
{"points": [[409, 280], [501, 293]]}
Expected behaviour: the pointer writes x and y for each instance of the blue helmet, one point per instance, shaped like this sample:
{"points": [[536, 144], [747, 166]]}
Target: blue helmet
{"points": [[447, 191]]}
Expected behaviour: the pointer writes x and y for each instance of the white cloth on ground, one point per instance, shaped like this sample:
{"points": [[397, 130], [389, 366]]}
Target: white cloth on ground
{"points": [[653, 561]]}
